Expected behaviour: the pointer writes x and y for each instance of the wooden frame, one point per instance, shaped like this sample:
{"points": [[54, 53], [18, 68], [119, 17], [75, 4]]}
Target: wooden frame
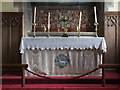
{"points": [[104, 66], [22, 67]]}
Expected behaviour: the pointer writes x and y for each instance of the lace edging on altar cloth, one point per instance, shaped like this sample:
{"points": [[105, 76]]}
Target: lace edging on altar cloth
{"points": [[53, 43]]}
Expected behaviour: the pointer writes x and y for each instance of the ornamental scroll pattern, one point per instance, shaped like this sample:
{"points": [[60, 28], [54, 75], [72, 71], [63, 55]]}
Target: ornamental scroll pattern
{"points": [[72, 15], [11, 21]]}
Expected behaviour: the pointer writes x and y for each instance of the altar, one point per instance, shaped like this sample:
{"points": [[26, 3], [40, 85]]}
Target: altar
{"points": [[62, 56]]}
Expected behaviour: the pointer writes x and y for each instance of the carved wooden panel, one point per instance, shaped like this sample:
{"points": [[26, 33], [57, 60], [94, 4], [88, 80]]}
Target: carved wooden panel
{"points": [[11, 36], [111, 24], [11, 21], [111, 21]]}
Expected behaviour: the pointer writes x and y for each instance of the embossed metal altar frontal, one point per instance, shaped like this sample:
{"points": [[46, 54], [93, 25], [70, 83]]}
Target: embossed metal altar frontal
{"points": [[64, 18]]}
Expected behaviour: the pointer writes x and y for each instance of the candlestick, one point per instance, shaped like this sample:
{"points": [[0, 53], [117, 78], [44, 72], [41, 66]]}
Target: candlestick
{"points": [[95, 14], [78, 31], [48, 24], [34, 21], [80, 20], [96, 29], [34, 28], [23, 33], [48, 20], [34, 14]]}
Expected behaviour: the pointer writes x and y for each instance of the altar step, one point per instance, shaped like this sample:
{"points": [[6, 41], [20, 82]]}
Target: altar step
{"points": [[61, 87], [13, 82], [36, 80], [111, 78]]}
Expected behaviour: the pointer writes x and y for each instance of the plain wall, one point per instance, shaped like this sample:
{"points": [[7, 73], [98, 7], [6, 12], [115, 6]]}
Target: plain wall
{"points": [[112, 6]]}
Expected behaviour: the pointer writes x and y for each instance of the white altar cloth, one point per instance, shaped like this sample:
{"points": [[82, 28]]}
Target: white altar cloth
{"points": [[52, 43], [84, 53]]}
